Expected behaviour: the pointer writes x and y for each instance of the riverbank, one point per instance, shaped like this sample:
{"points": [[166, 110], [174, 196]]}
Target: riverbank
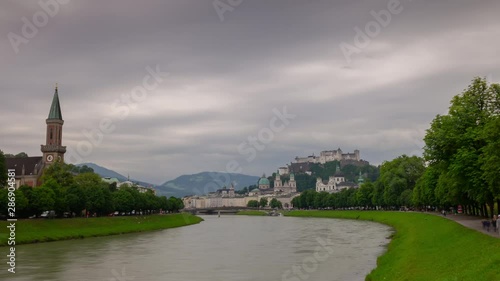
{"points": [[427, 247], [45, 230], [252, 213]]}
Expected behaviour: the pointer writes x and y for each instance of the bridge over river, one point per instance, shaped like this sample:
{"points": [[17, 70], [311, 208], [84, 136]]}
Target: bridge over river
{"points": [[222, 210]]}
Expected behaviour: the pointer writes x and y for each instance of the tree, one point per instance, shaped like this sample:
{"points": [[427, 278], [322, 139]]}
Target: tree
{"points": [[399, 175], [123, 201], [364, 195], [76, 199], [27, 192], [60, 203], [424, 193], [42, 199], [175, 204], [152, 201], [21, 155], [253, 204], [378, 194], [263, 202], [490, 162], [60, 172], [458, 144], [22, 204], [96, 202], [275, 204], [4, 200], [405, 198]]}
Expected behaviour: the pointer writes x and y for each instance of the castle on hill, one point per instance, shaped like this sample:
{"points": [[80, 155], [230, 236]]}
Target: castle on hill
{"points": [[329, 156]]}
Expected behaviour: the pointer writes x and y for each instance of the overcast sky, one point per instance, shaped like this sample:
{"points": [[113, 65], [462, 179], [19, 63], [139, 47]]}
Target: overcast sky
{"points": [[230, 70]]}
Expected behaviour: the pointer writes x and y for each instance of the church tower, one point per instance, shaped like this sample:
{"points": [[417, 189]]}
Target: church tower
{"points": [[277, 180], [53, 149]]}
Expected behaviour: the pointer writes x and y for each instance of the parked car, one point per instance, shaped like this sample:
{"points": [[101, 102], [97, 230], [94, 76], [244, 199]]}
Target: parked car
{"points": [[48, 214]]}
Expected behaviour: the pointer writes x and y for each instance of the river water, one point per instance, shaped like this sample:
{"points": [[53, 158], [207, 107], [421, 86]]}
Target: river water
{"points": [[218, 249]]}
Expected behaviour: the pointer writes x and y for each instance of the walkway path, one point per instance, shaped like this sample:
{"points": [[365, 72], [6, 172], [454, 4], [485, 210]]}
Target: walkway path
{"points": [[473, 223]]}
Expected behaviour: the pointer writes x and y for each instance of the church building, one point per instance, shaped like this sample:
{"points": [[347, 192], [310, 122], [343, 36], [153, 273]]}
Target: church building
{"points": [[334, 184], [29, 170]]}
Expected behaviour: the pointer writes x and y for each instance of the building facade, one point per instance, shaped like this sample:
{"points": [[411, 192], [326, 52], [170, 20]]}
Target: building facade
{"points": [[335, 183], [29, 170], [329, 156], [287, 187]]}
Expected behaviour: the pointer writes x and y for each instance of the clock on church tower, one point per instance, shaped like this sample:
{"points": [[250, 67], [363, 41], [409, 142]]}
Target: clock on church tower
{"points": [[53, 149]]}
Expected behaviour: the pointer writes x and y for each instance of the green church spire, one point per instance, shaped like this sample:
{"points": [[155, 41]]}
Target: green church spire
{"points": [[55, 108]]}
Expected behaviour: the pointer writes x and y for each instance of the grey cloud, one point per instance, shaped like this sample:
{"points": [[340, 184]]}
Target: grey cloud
{"points": [[226, 77]]}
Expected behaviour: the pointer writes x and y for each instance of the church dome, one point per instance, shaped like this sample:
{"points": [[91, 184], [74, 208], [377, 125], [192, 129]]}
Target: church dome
{"points": [[264, 181]]}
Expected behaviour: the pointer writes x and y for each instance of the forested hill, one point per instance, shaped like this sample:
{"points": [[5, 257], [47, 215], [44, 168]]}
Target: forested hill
{"points": [[324, 171]]}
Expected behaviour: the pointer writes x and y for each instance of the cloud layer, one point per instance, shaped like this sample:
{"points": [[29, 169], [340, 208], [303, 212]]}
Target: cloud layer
{"points": [[226, 77]]}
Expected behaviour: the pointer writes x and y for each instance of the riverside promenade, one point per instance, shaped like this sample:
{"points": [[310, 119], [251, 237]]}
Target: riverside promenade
{"points": [[471, 222]]}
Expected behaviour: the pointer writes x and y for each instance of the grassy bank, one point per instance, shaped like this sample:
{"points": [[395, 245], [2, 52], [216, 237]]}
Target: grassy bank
{"points": [[427, 247], [252, 213], [44, 230]]}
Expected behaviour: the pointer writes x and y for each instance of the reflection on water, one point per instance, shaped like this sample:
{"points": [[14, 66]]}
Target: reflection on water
{"points": [[225, 248]]}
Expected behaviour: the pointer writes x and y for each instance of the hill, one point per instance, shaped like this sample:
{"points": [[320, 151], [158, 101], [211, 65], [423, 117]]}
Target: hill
{"points": [[107, 173], [198, 184], [203, 183]]}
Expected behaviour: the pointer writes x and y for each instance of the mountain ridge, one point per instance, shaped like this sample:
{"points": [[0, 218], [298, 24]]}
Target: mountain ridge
{"points": [[189, 184]]}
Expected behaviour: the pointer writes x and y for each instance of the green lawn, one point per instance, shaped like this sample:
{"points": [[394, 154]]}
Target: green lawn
{"points": [[252, 213], [44, 230], [427, 247]]}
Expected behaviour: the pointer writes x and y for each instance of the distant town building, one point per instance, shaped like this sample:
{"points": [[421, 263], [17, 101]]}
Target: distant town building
{"points": [[29, 170], [264, 183], [283, 192], [335, 183], [285, 188], [109, 180], [283, 171], [303, 164], [128, 183]]}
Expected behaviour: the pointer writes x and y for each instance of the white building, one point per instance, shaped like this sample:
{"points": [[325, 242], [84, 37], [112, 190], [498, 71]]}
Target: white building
{"points": [[283, 171], [335, 183]]}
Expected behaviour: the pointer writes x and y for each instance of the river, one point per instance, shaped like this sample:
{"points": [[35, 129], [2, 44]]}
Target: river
{"points": [[229, 248]]}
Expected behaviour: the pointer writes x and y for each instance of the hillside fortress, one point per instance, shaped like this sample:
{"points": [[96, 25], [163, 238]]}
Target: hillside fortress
{"points": [[329, 156]]}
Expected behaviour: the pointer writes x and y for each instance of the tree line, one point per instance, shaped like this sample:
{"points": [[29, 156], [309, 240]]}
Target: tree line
{"points": [[393, 189], [460, 165], [462, 152], [263, 202], [67, 192]]}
